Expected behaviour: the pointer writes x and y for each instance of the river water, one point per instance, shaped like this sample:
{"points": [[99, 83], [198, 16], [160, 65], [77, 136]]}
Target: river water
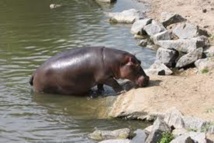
{"points": [[31, 32]]}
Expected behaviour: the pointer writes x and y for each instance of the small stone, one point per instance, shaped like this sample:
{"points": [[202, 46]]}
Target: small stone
{"points": [[143, 43], [158, 68], [204, 10], [138, 25]]}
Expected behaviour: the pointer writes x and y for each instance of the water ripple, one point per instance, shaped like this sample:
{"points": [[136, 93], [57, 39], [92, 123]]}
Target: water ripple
{"points": [[31, 33]]}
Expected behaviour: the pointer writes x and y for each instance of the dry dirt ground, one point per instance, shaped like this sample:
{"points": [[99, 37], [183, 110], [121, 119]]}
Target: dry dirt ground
{"points": [[200, 12], [192, 93]]}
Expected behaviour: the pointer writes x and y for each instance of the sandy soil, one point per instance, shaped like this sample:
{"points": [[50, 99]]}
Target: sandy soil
{"points": [[192, 93], [200, 12]]}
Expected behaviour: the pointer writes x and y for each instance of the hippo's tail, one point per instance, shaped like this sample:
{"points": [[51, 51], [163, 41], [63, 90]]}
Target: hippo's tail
{"points": [[31, 80]]}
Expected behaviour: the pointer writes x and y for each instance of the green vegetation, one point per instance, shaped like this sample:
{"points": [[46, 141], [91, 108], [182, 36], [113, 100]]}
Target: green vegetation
{"points": [[212, 39], [205, 70], [192, 130], [210, 110], [207, 126], [166, 137]]}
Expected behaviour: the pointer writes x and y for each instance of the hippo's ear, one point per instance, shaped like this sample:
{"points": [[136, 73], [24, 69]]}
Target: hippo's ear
{"points": [[133, 62]]}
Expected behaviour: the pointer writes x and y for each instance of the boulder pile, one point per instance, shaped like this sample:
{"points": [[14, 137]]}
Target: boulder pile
{"points": [[180, 44], [172, 126]]}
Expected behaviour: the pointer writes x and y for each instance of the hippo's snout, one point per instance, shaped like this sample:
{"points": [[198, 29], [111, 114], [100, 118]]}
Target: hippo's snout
{"points": [[143, 81]]}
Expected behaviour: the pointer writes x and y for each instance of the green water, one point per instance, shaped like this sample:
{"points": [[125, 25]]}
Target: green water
{"points": [[31, 32]]}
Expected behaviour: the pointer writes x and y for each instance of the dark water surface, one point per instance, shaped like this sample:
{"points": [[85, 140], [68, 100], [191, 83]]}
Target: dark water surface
{"points": [[31, 32]]}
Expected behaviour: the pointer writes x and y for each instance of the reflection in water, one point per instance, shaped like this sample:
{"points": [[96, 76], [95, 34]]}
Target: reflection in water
{"points": [[31, 32]]}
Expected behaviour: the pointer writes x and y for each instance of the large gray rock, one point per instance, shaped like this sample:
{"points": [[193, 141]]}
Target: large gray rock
{"points": [[182, 139], [140, 136], [105, 134], [189, 58], [174, 118], [170, 18], [165, 35], [198, 137], [138, 25], [126, 16], [159, 127], [193, 123], [167, 56], [182, 45], [116, 141], [158, 68], [205, 65], [187, 30], [153, 28]]}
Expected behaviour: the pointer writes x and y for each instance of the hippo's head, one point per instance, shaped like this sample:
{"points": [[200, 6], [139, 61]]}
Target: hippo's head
{"points": [[131, 69]]}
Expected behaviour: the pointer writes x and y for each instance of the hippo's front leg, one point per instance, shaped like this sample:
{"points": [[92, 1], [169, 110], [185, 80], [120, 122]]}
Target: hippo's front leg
{"points": [[100, 88], [114, 84]]}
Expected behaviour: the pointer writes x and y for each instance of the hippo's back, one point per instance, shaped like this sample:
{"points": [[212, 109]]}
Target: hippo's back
{"points": [[75, 54]]}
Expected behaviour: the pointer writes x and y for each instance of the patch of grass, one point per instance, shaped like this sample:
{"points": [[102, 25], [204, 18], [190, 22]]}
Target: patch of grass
{"points": [[210, 110], [207, 126], [211, 39], [192, 130], [205, 70], [167, 137]]}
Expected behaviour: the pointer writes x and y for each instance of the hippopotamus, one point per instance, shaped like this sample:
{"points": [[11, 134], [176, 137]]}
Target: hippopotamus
{"points": [[77, 70]]}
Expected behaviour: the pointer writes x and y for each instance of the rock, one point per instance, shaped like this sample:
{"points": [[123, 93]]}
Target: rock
{"points": [[189, 58], [126, 16], [138, 25], [209, 52], [179, 131], [205, 65], [210, 129], [116, 141], [104, 134], [174, 118], [182, 45], [52, 6], [158, 68], [170, 18], [148, 129], [198, 137], [182, 139], [193, 123], [140, 136], [159, 126], [165, 35], [188, 30], [167, 56], [153, 28], [143, 43], [107, 1]]}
